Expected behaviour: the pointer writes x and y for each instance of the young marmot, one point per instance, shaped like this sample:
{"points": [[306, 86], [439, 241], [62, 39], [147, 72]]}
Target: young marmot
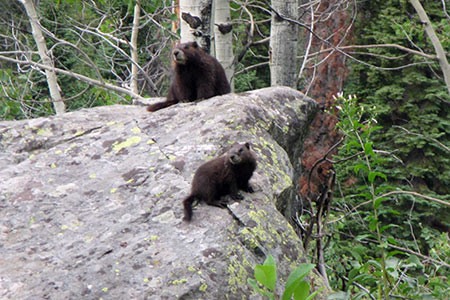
{"points": [[225, 175], [197, 75]]}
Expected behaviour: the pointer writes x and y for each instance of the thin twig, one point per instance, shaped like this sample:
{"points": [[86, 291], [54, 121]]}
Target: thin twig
{"points": [[423, 136], [414, 194]]}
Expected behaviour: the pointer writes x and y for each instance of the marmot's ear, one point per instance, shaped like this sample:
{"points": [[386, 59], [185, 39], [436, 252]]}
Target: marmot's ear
{"points": [[247, 145], [194, 44]]}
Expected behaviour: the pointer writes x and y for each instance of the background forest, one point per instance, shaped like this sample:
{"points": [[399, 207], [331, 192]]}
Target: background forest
{"points": [[376, 166]]}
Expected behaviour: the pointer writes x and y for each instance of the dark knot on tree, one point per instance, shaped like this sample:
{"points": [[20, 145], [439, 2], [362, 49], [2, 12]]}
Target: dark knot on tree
{"points": [[194, 22], [225, 28]]}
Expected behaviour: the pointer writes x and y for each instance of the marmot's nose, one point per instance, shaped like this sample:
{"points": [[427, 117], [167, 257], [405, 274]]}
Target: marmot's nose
{"points": [[176, 52]]}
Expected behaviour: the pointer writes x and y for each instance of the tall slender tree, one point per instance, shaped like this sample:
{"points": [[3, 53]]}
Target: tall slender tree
{"points": [[283, 43], [134, 50], [52, 81], [223, 44]]}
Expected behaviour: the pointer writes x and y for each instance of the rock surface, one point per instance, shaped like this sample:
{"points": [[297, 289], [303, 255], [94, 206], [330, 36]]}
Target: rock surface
{"points": [[90, 201]]}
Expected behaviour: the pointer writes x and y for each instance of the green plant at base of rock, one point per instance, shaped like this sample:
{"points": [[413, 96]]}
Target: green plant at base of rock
{"points": [[266, 276]]}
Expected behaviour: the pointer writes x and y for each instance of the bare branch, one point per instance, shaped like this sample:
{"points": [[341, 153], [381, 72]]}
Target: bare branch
{"points": [[252, 67], [75, 75], [414, 194], [350, 47], [445, 9], [423, 136], [106, 38], [239, 57], [308, 48], [424, 257], [445, 67]]}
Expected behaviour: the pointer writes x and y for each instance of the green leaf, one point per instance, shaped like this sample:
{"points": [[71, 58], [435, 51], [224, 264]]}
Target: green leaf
{"points": [[301, 291], [377, 203], [294, 279], [357, 125], [359, 167], [373, 224], [356, 255], [415, 261], [368, 148], [339, 296], [353, 273], [374, 128], [267, 274], [395, 252], [365, 195], [314, 294], [362, 237], [392, 241], [383, 188], [269, 261], [255, 286], [383, 228], [372, 175], [393, 211], [353, 143], [374, 263]]}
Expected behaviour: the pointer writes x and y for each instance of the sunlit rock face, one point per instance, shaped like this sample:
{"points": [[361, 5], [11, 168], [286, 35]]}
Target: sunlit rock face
{"points": [[91, 201]]}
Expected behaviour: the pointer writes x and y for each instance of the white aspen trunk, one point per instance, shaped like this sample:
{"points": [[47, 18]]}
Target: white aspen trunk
{"points": [[134, 52], [195, 22], [283, 44], [52, 82], [223, 43], [440, 53]]}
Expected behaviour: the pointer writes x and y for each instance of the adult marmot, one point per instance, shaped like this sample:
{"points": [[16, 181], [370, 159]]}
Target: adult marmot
{"points": [[221, 176], [197, 75]]}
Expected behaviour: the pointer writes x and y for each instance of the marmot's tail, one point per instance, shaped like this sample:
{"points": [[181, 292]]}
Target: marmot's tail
{"points": [[161, 105], [187, 203]]}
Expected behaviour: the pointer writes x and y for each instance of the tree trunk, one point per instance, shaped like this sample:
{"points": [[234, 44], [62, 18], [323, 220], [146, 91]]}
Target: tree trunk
{"points": [[440, 53], [195, 22], [223, 38], [283, 44], [52, 82], [134, 53]]}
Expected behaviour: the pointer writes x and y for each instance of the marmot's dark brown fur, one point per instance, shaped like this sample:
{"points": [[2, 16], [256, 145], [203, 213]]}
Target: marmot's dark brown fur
{"points": [[197, 75], [225, 175]]}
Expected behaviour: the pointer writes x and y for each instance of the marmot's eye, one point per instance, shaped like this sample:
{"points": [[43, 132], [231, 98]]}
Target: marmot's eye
{"points": [[186, 47], [240, 150]]}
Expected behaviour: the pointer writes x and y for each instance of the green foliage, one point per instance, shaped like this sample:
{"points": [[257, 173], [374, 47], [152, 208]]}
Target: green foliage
{"points": [[24, 90], [266, 276], [248, 81], [373, 242], [257, 77], [413, 97], [410, 105]]}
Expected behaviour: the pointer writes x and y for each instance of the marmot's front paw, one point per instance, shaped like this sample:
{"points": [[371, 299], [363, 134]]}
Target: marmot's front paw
{"points": [[237, 197]]}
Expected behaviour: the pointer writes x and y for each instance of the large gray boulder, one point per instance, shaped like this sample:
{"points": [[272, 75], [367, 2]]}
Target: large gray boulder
{"points": [[90, 201]]}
